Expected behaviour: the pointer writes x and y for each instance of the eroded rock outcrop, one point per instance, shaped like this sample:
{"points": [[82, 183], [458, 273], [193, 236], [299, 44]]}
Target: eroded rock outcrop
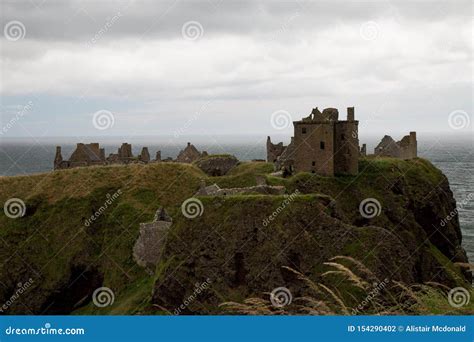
{"points": [[217, 165]]}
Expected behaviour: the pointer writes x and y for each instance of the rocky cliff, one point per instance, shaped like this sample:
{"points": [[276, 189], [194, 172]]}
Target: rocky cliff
{"points": [[80, 226]]}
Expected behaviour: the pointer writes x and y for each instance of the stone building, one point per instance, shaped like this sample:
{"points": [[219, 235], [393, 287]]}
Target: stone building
{"points": [[322, 144], [92, 154], [189, 154], [407, 148], [83, 155]]}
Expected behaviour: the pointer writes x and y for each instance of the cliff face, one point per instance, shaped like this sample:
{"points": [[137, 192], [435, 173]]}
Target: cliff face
{"points": [[238, 246]]}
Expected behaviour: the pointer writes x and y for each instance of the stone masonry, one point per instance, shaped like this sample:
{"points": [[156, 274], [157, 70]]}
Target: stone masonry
{"points": [[92, 154], [322, 144], [150, 243], [407, 148]]}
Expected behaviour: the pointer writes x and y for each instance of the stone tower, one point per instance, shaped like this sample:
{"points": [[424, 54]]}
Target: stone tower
{"points": [[325, 145], [58, 158], [346, 145]]}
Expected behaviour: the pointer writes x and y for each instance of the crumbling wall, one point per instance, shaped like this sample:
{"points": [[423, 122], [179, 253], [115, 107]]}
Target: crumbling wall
{"points": [[407, 148], [151, 241], [274, 150]]}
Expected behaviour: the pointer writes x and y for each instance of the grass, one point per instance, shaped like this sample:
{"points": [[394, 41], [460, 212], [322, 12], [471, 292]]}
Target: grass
{"points": [[52, 238], [368, 295]]}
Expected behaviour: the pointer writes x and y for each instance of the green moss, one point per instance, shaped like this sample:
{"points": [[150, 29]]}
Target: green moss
{"points": [[53, 237]]}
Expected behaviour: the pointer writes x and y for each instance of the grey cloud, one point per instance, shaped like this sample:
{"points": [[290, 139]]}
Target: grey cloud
{"points": [[79, 20]]}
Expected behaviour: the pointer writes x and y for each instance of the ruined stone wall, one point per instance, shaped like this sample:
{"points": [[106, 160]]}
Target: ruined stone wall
{"points": [[387, 148], [346, 150], [314, 147], [408, 146], [274, 150]]}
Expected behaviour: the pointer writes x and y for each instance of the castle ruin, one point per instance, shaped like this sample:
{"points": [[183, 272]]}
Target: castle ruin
{"points": [[322, 144], [407, 148], [91, 155]]}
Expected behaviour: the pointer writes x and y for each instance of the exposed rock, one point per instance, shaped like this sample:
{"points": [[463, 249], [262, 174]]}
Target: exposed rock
{"points": [[217, 165], [215, 190]]}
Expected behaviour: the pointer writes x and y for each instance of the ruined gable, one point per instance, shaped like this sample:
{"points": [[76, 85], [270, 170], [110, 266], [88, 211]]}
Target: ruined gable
{"points": [[189, 154], [403, 149]]}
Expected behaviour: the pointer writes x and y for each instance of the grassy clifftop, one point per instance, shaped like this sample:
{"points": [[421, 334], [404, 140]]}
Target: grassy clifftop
{"points": [[68, 255]]}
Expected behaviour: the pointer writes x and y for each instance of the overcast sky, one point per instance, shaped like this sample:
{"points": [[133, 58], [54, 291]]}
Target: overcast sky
{"points": [[121, 68]]}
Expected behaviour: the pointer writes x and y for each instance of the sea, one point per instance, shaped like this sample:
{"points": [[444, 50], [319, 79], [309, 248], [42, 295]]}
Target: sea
{"points": [[453, 155]]}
